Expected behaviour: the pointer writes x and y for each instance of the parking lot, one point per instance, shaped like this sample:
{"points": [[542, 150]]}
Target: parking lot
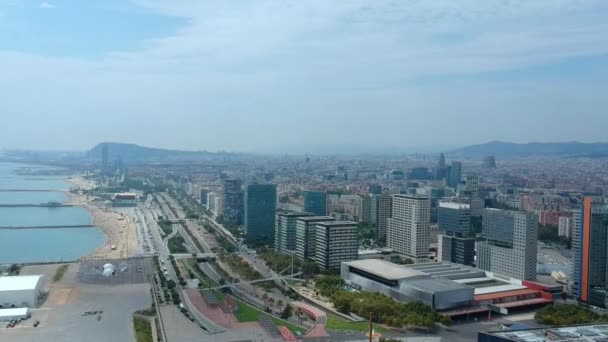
{"points": [[63, 315]]}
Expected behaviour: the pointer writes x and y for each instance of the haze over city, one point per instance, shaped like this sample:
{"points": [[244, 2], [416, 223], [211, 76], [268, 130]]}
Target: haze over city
{"points": [[266, 76]]}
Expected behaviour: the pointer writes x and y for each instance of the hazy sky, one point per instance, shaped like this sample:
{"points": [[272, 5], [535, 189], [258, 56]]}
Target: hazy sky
{"points": [[259, 75]]}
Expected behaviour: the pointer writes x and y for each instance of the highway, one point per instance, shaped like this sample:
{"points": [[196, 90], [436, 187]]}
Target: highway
{"points": [[163, 255]]}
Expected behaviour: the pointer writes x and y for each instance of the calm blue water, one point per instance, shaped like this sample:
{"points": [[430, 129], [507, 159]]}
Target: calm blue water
{"points": [[32, 245], [20, 197], [41, 216]]}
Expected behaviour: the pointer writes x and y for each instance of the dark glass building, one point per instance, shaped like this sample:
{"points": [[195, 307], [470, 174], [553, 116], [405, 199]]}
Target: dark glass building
{"points": [[260, 211], [315, 202]]}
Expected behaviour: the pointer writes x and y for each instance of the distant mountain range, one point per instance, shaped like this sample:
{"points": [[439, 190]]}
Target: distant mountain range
{"points": [[132, 153], [507, 149]]}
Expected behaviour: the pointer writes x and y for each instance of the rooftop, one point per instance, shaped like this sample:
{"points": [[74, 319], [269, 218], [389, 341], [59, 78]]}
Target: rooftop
{"points": [[13, 312], [454, 205], [385, 269], [588, 332], [337, 223], [437, 284], [316, 218], [17, 283]]}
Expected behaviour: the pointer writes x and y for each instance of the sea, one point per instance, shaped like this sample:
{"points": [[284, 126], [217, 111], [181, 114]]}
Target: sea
{"points": [[24, 245]]}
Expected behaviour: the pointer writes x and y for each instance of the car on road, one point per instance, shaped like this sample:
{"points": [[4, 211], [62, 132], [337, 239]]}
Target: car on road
{"points": [[36, 323]]}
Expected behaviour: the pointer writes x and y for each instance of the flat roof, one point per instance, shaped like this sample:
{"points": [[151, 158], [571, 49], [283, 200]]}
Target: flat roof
{"points": [[437, 285], [385, 269], [503, 294], [316, 218], [586, 332], [337, 223], [14, 312], [454, 205], [17, 283]]}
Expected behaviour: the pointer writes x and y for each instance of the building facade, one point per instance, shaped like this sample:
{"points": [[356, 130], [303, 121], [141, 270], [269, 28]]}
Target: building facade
{"points": [[564, 227], [384, 209], [285, 231], [510, 244], [409, 228], [454, 174], [260, 211], [233, 201], [589, 241], [305, 235], [315, 202], [336, 242]]}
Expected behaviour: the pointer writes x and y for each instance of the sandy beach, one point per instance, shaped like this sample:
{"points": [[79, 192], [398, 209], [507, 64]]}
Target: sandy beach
{"points": [[119, 229]]}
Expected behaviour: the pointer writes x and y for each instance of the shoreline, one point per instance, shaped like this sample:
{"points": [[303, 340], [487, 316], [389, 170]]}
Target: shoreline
{"points": [[118, 228]]}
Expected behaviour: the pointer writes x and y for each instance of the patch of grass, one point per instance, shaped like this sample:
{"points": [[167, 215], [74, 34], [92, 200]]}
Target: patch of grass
{"points": [[335, 323], [60, 272], [247, 313], [143, 329]]}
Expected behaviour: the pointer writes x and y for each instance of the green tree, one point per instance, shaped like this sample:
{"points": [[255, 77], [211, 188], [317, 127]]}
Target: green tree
{"points": [[286, 313]]}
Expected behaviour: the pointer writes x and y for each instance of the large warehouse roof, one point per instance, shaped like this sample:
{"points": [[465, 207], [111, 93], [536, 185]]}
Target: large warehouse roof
{"points": [[19, 283], [433, 285], [14, 312], [385, 269]]}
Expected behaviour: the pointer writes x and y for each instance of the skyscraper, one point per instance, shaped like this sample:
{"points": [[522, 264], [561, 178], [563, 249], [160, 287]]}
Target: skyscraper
{"points": [[285, 231], [455, 244], [510, 243], [366, 208], [589, 241], [384, 209], [409, 228], [315, 202], [440, 170], [305, 235], [454, 174], [260, 210], [233, 201], [336, 242]]}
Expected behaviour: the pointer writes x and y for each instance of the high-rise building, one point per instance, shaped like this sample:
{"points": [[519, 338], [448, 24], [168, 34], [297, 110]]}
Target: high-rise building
{"points": [[384, 211], [454, 218], [260, 210], [455, 243], [564, 226], [510, 243], [454, 174], [305, 235], [336, 242], [409, 228], [366, 208], [589, 241], [440, 170], [315, 202], [203, 196], [489, 162], [285, 231], [233, 201]]}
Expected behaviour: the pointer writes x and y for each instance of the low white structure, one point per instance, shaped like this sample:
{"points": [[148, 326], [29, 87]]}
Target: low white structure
{"points": [[20, 291], [11, 314]]}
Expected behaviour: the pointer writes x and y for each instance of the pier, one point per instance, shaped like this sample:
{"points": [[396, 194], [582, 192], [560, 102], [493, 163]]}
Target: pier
{"points": [[47, 227], [29, 190], [41, 205]]}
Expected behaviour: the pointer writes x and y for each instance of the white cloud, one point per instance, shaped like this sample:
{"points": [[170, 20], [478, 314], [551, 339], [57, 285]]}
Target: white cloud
{"points": [[259, 66], [46, 5]]}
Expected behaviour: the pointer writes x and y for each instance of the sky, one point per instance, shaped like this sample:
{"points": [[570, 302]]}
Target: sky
{"points": [[281, 75]]}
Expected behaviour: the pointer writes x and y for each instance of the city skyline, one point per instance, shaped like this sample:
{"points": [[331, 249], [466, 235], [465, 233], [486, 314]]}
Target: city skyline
{"points": [[240, 76]]}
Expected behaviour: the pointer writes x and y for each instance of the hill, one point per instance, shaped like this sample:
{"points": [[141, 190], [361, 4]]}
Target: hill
{"points": [[132, 153], [557, 149]]}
